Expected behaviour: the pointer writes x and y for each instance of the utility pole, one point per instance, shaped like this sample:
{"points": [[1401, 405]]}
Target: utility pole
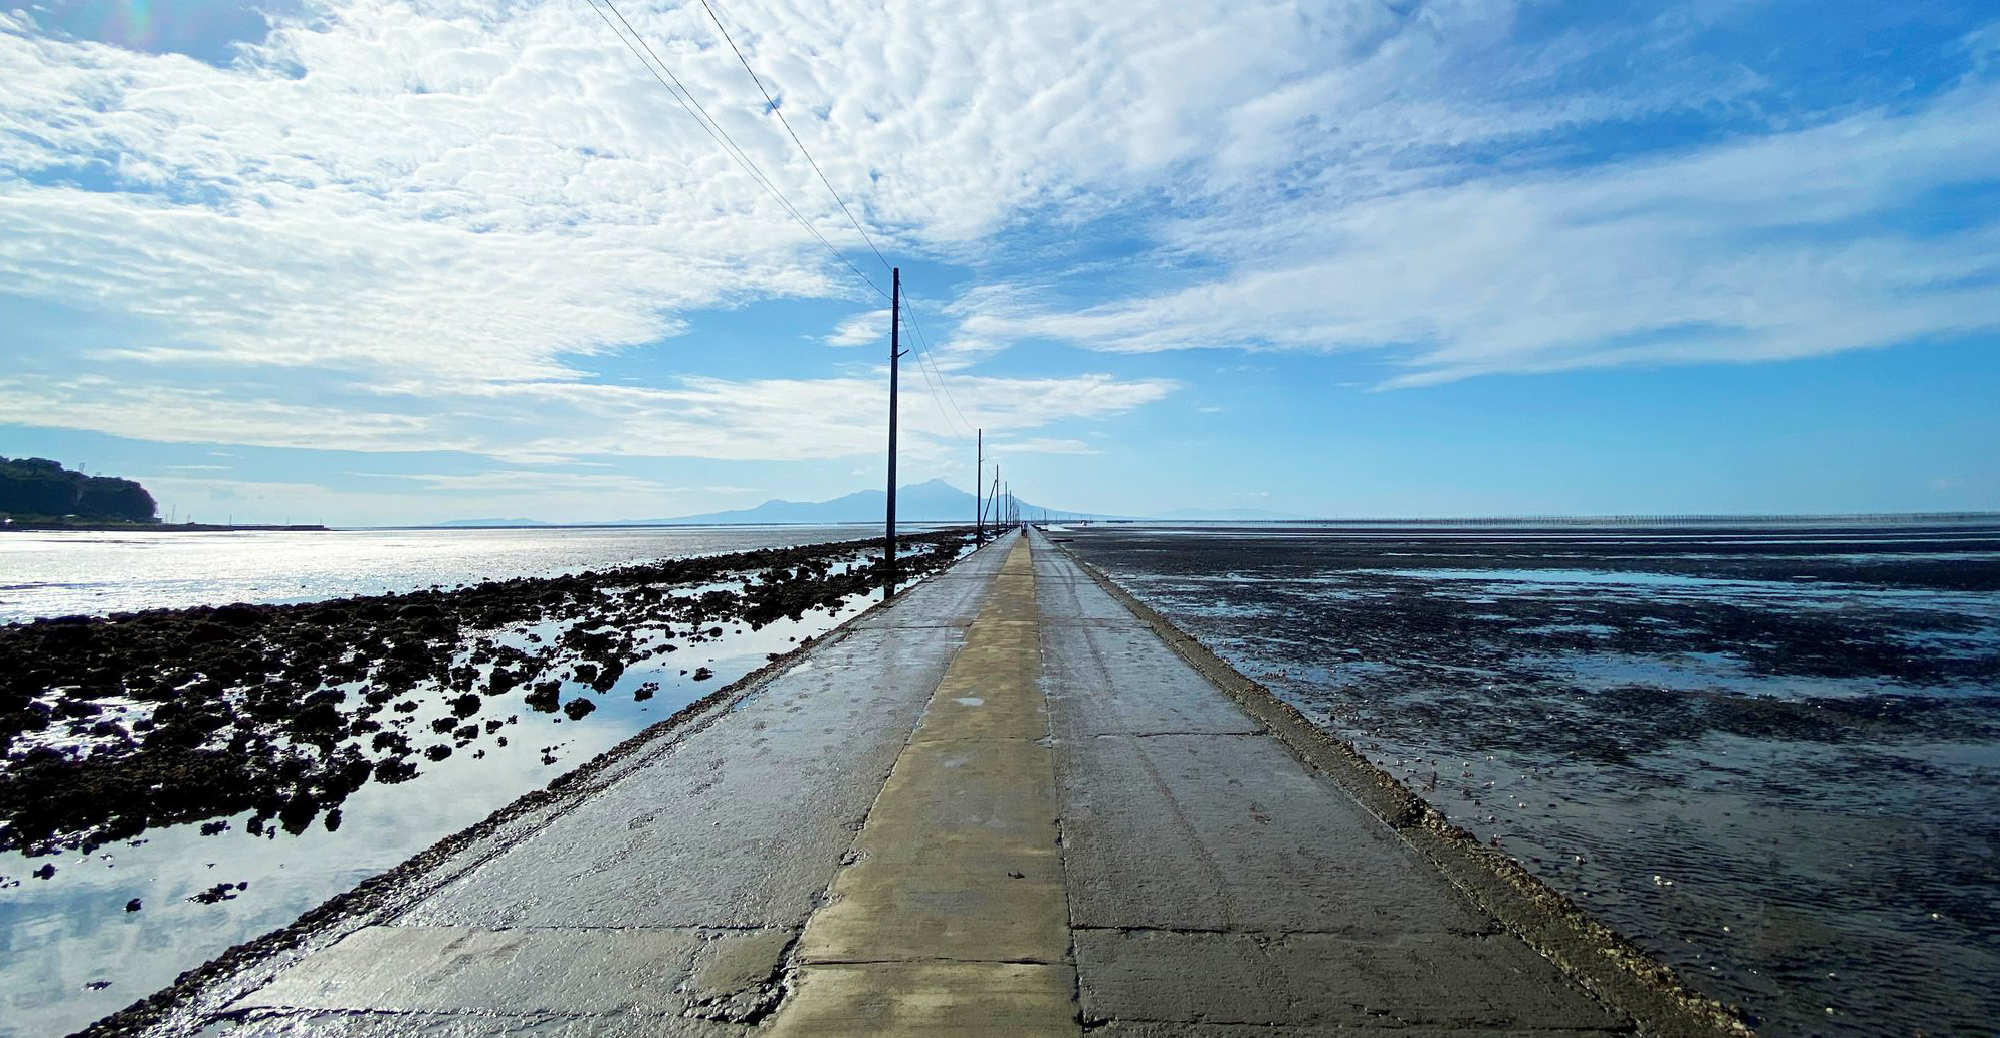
{"points": [[895, 344], [978, 473]]}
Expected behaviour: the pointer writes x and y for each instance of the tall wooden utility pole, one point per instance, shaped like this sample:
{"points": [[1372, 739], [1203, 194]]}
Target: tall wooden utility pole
{"points": [[895, 353], [978, 473]]}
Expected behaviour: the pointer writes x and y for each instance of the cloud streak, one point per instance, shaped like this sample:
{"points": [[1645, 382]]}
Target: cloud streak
{"points": [[559, 422], [1773, 248]]}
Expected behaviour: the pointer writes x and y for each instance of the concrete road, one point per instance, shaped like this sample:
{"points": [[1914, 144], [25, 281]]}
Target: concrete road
{"points": [[1006, 805]]}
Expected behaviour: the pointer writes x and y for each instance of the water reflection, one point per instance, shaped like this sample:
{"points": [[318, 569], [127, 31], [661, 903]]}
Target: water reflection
{"points": [[56, 573], [70, 952]]}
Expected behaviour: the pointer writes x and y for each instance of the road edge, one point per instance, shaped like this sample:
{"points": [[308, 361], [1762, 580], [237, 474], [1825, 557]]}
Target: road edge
{"points": [[182, 1007], [1601, 960]]}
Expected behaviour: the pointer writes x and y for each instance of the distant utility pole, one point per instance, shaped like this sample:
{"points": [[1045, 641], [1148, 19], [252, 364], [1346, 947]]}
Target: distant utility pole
{"points": [[978, 473], [895, 353]]}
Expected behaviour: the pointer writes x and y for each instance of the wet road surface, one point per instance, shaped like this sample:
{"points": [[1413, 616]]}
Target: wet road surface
{"points": [[1004, 805]]}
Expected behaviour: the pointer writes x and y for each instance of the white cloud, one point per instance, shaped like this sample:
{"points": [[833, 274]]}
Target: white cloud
{"points": [[555, 422], [528, 481], [861, 330], [800, 419], [1770, 248], [484, 190], [195, 415], [1042, 445], [436, 213], [202, 499]]}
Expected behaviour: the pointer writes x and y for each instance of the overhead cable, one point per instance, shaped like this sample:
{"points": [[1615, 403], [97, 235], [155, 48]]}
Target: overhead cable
{"points": [[923, 344], [715, 130], [933, 378]]}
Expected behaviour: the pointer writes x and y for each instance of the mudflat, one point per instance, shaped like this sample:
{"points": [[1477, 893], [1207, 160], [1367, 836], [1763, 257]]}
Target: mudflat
{"points": [[1010, 802], [1767, 752]]}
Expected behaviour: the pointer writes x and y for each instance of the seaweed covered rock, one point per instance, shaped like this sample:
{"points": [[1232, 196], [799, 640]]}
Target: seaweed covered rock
{"points": [[164, 716]]}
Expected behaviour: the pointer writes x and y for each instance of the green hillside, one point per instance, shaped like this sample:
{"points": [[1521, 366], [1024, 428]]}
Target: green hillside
{"points": [[40, 490]]}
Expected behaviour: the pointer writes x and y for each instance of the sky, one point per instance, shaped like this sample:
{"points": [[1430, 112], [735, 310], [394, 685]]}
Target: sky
{"points": [[386, 262]]}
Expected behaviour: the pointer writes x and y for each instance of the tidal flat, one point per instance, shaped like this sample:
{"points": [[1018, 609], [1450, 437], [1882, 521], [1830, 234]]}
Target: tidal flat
{"points": [[176, 781], [1768, 754]]}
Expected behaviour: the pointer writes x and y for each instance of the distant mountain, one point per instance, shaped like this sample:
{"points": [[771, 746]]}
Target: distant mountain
{"points": [[932, 502]]}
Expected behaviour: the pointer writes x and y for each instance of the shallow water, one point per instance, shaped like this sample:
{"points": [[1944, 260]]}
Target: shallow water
{"points": [[71, 952], [64, 572], [61, 935], [1770, 757]]}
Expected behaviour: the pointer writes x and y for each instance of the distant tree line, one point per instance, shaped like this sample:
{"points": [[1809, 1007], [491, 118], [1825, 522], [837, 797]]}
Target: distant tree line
{"points": [[40, 489]]}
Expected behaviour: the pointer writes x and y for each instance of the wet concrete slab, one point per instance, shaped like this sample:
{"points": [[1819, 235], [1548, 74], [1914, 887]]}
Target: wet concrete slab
{"points": [[1065, 595], [962, 867], [1113, 681], [982, 1000], [1261, 843], [1216, 880], [1177, 1029], [377, 1024], [741, 823], [953, 919], [426, 969], [950, 599], [1331, 981]]}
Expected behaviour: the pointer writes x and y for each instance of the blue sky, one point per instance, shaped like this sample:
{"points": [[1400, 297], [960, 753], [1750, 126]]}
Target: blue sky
{"points": [[389, 262]]}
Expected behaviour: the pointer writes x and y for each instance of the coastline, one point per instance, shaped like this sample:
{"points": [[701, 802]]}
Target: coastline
{"points": [[228, 974], [30, 526]]}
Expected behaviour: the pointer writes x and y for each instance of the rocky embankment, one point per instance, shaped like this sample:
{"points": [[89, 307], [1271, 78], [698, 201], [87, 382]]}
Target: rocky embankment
{"points": [[111, 725]]}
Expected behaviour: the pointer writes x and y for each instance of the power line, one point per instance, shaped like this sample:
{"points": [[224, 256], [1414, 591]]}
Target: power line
{"points": [[923, 343], [933, 378], [716, 132], [925, 353], [780, 113]]}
